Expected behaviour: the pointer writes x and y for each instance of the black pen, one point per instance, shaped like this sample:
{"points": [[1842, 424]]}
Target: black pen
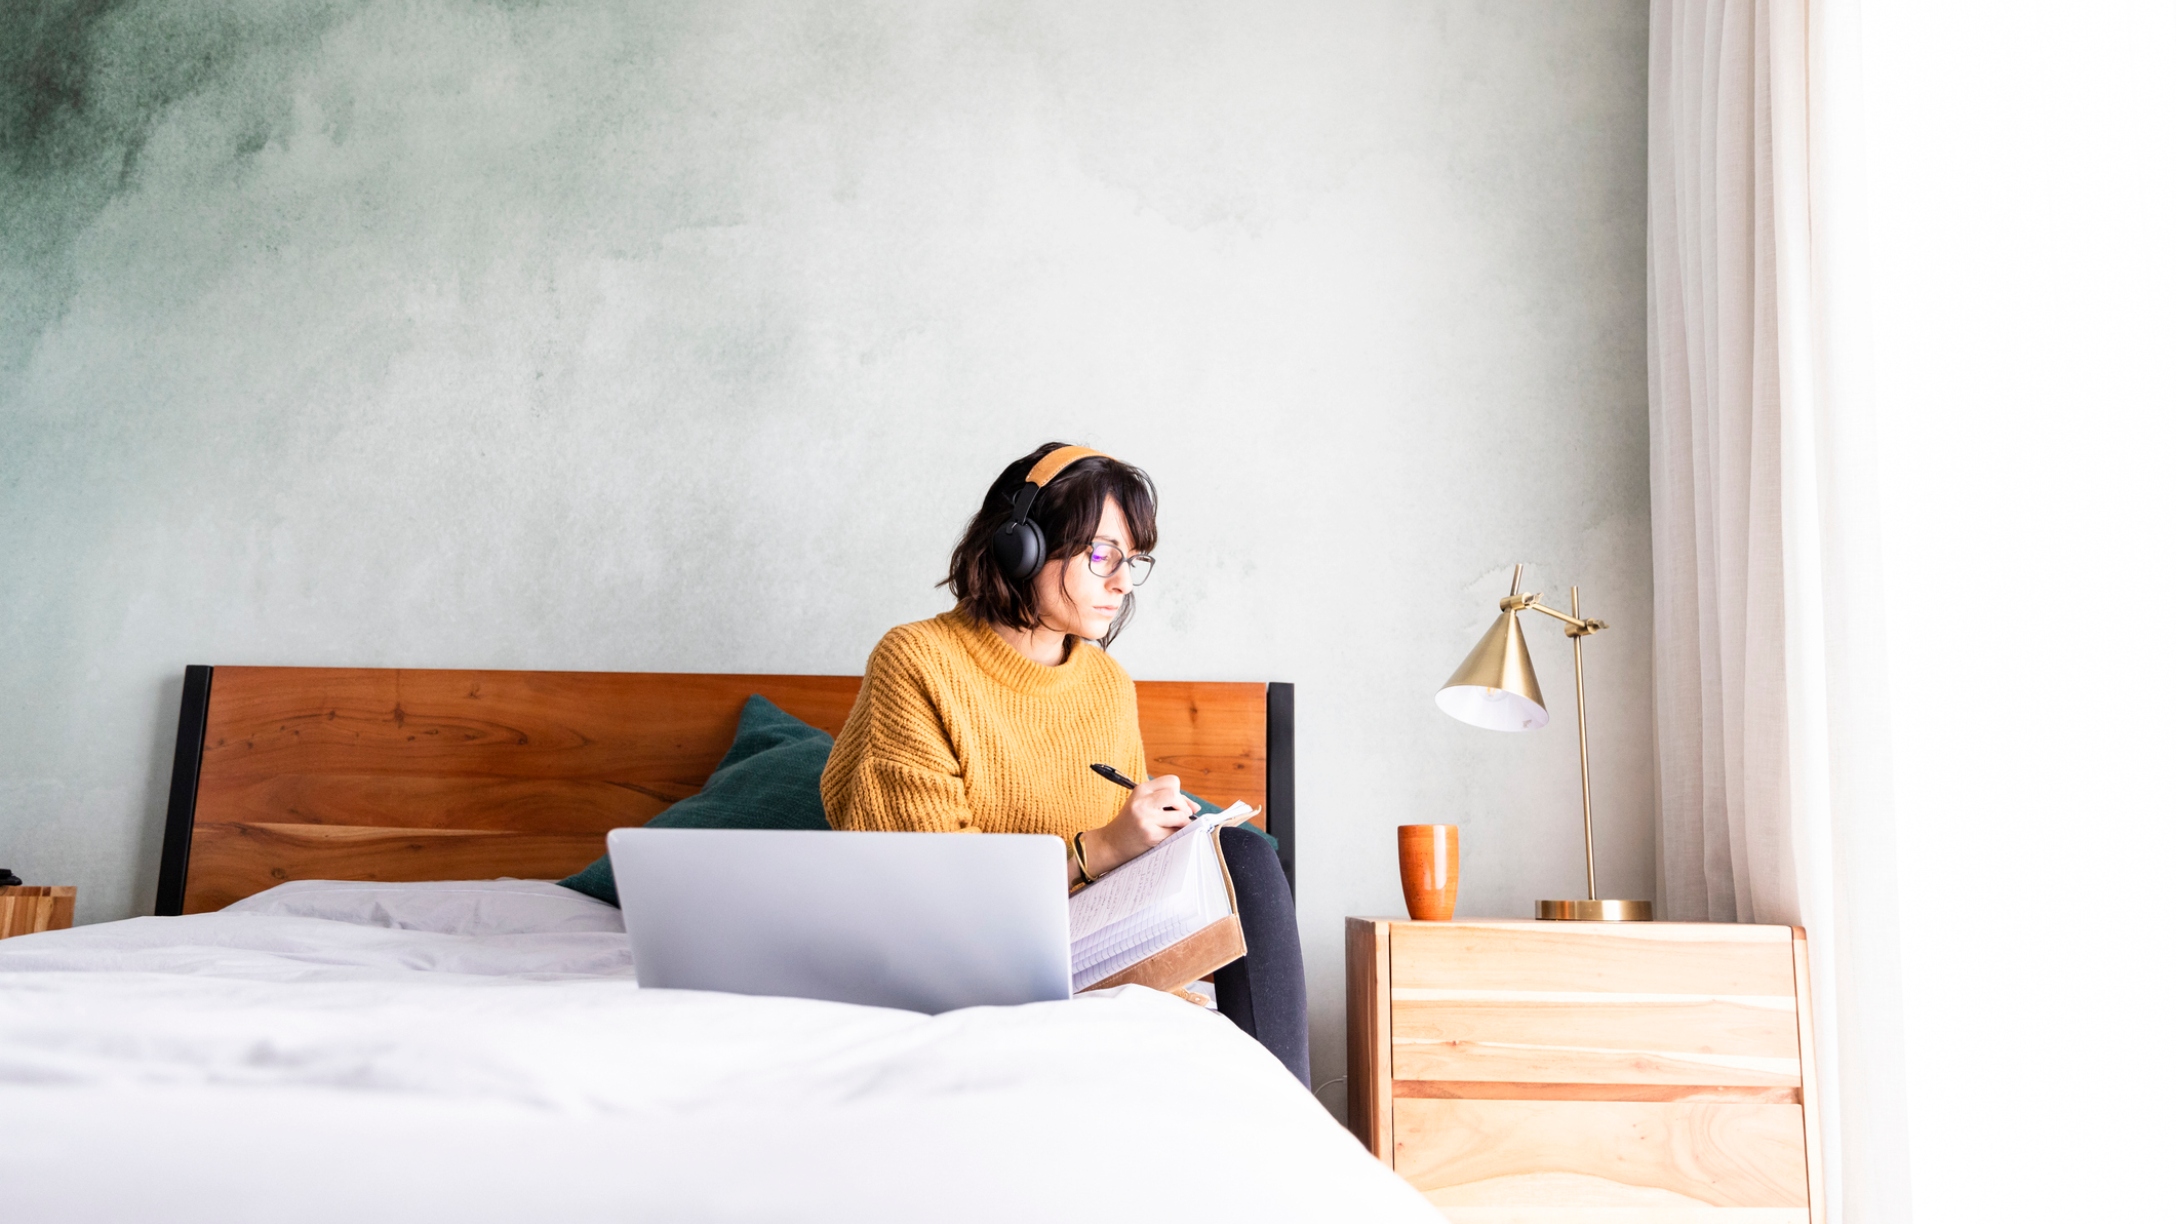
{"points": [[1108, 774]]}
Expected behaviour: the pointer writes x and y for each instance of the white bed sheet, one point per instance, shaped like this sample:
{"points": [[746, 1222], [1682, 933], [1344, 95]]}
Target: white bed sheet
{"points": [[423, 1054], [449, 907]]}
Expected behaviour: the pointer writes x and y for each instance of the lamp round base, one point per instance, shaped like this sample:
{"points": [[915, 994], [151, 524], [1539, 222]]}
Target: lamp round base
{"points": [[1595, 911]]}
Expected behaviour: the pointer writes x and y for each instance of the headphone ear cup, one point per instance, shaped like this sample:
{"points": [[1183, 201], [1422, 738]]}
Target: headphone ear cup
{"points": [[1019, 548]]}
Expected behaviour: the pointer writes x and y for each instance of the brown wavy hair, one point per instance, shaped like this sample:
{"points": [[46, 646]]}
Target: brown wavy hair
{"points": [[1068, 510]]}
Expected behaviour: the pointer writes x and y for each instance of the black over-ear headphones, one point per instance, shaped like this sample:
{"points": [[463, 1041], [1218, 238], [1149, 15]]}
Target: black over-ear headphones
{"points": [[1019, 544]]}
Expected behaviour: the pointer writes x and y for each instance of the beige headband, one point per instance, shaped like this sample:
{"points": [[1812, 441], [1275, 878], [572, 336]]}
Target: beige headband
{"points": [[1059, 460]]}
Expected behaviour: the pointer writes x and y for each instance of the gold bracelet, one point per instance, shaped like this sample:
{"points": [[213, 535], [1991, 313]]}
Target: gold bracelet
{"points": [[1080, 857]]}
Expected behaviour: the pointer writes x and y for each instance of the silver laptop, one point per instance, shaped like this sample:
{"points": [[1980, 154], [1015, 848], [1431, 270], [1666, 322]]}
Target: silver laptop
{"points": [[922, 921]]}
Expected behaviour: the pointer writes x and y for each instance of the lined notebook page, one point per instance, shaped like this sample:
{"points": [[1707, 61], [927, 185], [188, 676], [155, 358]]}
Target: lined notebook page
{"points": [[1146, 905]]}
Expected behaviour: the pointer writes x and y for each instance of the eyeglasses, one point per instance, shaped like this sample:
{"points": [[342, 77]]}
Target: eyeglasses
{"points": [[1104, 560]]}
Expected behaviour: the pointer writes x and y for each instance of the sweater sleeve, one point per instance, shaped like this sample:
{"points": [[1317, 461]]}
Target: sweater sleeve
{"points": [[894, 768], [1129, 718]]}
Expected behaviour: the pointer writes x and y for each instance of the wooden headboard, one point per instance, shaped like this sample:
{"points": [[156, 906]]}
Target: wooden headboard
{"points": [[297, 773]]}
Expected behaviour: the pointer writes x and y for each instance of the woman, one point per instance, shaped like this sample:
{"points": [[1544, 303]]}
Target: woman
{"points": [[986, 718]]}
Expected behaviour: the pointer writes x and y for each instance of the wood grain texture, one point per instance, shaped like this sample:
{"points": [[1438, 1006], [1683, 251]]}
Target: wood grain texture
{"points": [[1674, 958], [1752, 1027], [1803, 972], [1577, 1073], [426, 774], [1512, 1090], [232, 861], [627, 728], [1367, 1033], [1538, 1059], [1538, 1003], [1658, 1039], [1533, 1214], [1598, 1154], [1213, 735], [428, 801], [26, 909]]}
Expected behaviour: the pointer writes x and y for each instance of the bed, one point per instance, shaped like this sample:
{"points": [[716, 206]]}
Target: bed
{"points": [[362, 999]]}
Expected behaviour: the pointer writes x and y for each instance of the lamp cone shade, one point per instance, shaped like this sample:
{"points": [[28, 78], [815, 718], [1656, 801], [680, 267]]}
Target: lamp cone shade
{"points": [[1495, 687]]}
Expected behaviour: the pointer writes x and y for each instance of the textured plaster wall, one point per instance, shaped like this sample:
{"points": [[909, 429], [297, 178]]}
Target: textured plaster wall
{"points": [[683, 336]]}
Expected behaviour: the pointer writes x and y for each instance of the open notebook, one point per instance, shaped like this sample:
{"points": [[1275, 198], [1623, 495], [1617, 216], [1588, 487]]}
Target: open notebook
{"points": [[1163, 920]]}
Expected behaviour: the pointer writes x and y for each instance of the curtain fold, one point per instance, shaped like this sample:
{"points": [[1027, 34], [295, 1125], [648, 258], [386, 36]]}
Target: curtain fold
{"points": [[1771, 701], [1715, 467]]}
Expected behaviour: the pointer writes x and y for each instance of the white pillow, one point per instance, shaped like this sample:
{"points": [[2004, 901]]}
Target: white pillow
{"points": [[448, 907]]}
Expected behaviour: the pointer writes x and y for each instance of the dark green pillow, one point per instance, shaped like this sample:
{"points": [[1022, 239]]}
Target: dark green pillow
{"points": [[770, 779]]}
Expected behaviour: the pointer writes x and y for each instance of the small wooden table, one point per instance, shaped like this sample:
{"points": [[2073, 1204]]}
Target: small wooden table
{"points": [[26, 910], [1561, 1072]]}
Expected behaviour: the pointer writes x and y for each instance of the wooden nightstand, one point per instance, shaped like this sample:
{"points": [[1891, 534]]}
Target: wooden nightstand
{"points": [[1553, 1072], [26, 910]]}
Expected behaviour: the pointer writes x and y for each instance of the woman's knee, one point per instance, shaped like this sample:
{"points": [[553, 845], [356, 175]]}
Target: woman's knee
{"points": [[1253, 863]]}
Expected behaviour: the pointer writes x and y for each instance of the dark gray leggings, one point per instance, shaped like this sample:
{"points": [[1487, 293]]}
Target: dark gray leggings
{"points": [[1265, 991]]}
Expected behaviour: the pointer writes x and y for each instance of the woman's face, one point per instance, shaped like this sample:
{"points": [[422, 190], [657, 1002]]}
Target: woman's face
{"points": [[1071, 598]]}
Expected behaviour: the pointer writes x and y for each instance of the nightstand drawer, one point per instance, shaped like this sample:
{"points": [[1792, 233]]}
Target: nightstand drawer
{"points": [[1559, 1162], [1586, 1073], [1654, 1004], [1675, 958]]}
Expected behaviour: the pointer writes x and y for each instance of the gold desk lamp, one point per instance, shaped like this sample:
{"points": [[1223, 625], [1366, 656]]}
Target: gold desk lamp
{"points": [[1495, 688]]}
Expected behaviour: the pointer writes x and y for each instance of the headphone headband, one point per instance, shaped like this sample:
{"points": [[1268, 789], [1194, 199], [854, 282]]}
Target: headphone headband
{"points": [[1058, 460]]}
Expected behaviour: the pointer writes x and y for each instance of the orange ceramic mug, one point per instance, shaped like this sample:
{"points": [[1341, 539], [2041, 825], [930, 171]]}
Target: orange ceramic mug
{"points": [[1428, 867]]}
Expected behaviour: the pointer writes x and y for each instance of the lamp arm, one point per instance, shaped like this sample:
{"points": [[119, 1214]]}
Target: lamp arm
{"points": [[1579, 627]]}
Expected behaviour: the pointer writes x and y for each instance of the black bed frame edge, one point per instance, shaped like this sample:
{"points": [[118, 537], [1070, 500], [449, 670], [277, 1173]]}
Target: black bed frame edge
{"points": [[196, 700], [1277, 807]]}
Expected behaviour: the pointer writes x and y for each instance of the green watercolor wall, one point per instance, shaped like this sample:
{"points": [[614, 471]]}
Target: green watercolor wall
{"points": [[682, 336]]}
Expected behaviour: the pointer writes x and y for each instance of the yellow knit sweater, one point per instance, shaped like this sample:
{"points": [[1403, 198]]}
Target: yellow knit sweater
{"points": [[955, 730]]}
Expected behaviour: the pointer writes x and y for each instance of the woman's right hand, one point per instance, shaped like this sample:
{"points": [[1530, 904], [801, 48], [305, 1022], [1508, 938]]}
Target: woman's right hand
{"points": [[1152, 813]]}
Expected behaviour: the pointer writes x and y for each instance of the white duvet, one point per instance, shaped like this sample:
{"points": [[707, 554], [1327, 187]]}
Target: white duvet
{"points": [[478, 1051]]}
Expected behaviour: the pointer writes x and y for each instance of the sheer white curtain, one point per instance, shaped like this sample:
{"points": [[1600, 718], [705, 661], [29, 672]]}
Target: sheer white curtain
{"points": [[1771, 700]]}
